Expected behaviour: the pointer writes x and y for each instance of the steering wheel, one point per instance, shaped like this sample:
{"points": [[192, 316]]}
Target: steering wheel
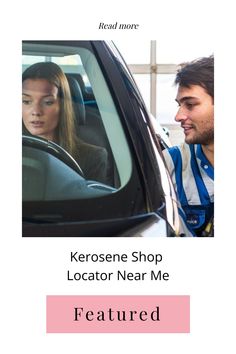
{"points": [[53, 149]]}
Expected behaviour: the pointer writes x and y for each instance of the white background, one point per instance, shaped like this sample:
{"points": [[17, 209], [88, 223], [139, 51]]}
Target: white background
{"points": [[201, 268]]}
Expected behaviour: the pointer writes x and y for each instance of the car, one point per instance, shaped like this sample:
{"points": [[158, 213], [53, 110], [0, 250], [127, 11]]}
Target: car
{"points": [[137, 198]]}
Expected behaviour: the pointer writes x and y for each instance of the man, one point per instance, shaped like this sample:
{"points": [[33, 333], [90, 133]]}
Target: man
{"points": [[191, 164]]}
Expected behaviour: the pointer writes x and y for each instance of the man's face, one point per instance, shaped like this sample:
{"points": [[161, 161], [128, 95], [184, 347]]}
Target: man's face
{"points": [[196, 114]]}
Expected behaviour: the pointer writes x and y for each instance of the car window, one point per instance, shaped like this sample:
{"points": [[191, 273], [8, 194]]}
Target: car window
{"points": [[101, 127]]}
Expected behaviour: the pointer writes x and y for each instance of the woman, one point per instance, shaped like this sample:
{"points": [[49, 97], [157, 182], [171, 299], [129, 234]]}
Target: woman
{"points": [[47, 112]]}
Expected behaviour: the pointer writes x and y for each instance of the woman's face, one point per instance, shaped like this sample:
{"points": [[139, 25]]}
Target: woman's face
{"points": [[40, 108]]}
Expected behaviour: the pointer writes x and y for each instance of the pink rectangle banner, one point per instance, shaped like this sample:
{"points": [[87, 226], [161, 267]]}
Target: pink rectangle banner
{"points": [[118, 314]]}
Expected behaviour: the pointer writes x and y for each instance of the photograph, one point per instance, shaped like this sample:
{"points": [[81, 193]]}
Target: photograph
{"points": [[111, 148]]}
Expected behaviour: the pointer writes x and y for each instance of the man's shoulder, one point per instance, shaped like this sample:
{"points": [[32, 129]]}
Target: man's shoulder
{"points": [[183, 149], [179, 155], [177, 150]]}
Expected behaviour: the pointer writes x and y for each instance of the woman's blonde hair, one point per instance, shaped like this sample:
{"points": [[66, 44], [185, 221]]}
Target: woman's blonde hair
{"points": [[66, 129]]}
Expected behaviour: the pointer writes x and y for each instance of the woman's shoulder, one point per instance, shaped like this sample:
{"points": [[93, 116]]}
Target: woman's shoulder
{"points": [[93, 161], [86, 148]]}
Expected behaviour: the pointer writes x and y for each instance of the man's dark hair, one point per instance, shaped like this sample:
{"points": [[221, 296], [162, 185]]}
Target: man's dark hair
{"points": [[197, 72]]}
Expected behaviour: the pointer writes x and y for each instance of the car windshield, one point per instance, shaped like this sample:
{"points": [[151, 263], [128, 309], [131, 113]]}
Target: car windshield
{"points": [[103, 153]]}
